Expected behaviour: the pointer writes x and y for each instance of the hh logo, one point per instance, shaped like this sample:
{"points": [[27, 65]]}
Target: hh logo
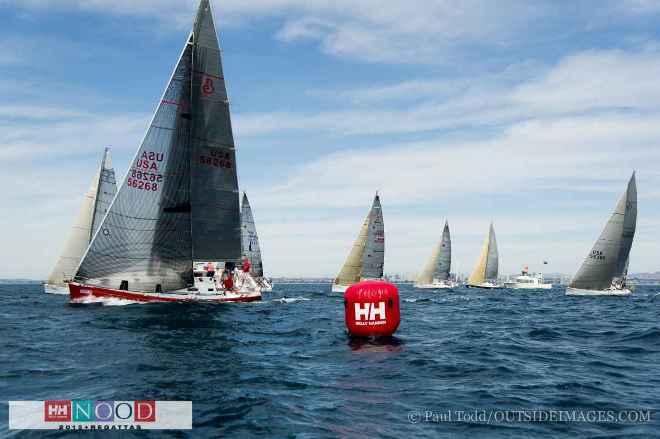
{"points": [[57, 411], [208, 87], [370, 311]]}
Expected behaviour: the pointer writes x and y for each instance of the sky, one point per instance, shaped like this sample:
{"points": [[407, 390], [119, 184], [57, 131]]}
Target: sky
{"points": [[531, 114]]}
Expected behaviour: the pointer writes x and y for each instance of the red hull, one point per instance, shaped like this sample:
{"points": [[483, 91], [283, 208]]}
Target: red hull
{"points": [[78, 292]]}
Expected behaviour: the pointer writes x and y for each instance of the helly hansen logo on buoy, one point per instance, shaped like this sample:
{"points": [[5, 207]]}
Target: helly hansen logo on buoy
{"points": [[374, 314]]}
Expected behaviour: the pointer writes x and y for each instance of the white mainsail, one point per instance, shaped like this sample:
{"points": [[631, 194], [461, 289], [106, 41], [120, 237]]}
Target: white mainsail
{"points": [[179, 203], [439, 265], [250, 240], [488, 264], [609, 257], [95, 205], [367, 256]]}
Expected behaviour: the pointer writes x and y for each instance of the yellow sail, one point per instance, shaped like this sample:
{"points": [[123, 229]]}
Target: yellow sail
{"points": [[352, 270], [478, 276], [426, 276]]}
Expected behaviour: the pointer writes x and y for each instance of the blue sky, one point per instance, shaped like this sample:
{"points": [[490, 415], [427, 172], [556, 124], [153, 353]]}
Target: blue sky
{"points": [[530, 113]]}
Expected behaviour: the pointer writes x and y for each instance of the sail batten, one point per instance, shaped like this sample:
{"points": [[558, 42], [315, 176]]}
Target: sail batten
{"points": [[609, 257]]}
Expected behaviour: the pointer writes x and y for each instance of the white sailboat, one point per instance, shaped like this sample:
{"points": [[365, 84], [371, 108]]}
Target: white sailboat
{"points": [[178, 209], [94, 207], [605, 269], [367, 257], [485, 273], [435, 274], [250, 245]]}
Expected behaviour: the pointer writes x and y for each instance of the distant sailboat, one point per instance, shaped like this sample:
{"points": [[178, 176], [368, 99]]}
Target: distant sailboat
{"points": [[485, 273], [605, 269], [367, 257], [176, 217], [436, 271], [95, 205], [250, 245]]}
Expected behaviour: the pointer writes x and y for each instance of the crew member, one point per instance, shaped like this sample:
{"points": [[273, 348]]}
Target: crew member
{"points": [[246, 264], [227, 278], [210, 269]]}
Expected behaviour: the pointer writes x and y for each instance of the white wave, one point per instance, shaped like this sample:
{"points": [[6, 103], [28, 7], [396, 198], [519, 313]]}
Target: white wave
{"points": [[292, 299]]}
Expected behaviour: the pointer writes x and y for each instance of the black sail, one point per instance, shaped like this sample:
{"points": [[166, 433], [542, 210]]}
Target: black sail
{"points": [[216, 221]]}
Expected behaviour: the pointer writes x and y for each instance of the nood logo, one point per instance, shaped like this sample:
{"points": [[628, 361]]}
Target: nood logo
{"points": [[99, 411], [370, 314], [100, 415]]}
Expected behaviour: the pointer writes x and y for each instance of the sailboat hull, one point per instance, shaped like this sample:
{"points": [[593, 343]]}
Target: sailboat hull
{"points": [[608, 292], [56, 289], [79, 293]]}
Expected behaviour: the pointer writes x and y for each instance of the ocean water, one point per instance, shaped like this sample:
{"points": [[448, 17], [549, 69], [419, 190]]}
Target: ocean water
{"points": [[285, 367]]}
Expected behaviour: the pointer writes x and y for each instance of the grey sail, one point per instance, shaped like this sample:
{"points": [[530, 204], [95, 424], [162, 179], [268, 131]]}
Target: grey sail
{"points": [[629, 227], [439, 265], [179, 201], [107, 189], [95, 205], [492, 263], [609, 256], [373, 259], [443, 266], [216, 220], [250, 240]]}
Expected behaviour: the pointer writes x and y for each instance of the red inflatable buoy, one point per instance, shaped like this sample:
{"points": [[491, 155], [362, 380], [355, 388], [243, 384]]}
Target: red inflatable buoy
{"points": [[372, 309]]}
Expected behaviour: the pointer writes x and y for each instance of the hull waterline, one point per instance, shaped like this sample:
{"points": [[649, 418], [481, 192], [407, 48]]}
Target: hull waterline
{"points": [[79, 293]]}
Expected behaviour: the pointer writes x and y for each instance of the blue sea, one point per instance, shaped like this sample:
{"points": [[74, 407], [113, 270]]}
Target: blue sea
{"points": [[285, 368]]}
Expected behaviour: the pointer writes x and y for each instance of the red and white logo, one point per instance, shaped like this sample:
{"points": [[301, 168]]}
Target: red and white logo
{"points": [[370, 311], [57, 411]]}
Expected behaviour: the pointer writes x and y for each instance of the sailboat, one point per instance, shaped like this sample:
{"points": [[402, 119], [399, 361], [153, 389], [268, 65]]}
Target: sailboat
{"points": [[250, 245], [605, 269], [367, 257], [485, 273], [94, 207], [176, 217], [436, 272]]}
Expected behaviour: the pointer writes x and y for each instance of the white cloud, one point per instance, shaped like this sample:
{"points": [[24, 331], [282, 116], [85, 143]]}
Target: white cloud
{"points": [[396, 31]]}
